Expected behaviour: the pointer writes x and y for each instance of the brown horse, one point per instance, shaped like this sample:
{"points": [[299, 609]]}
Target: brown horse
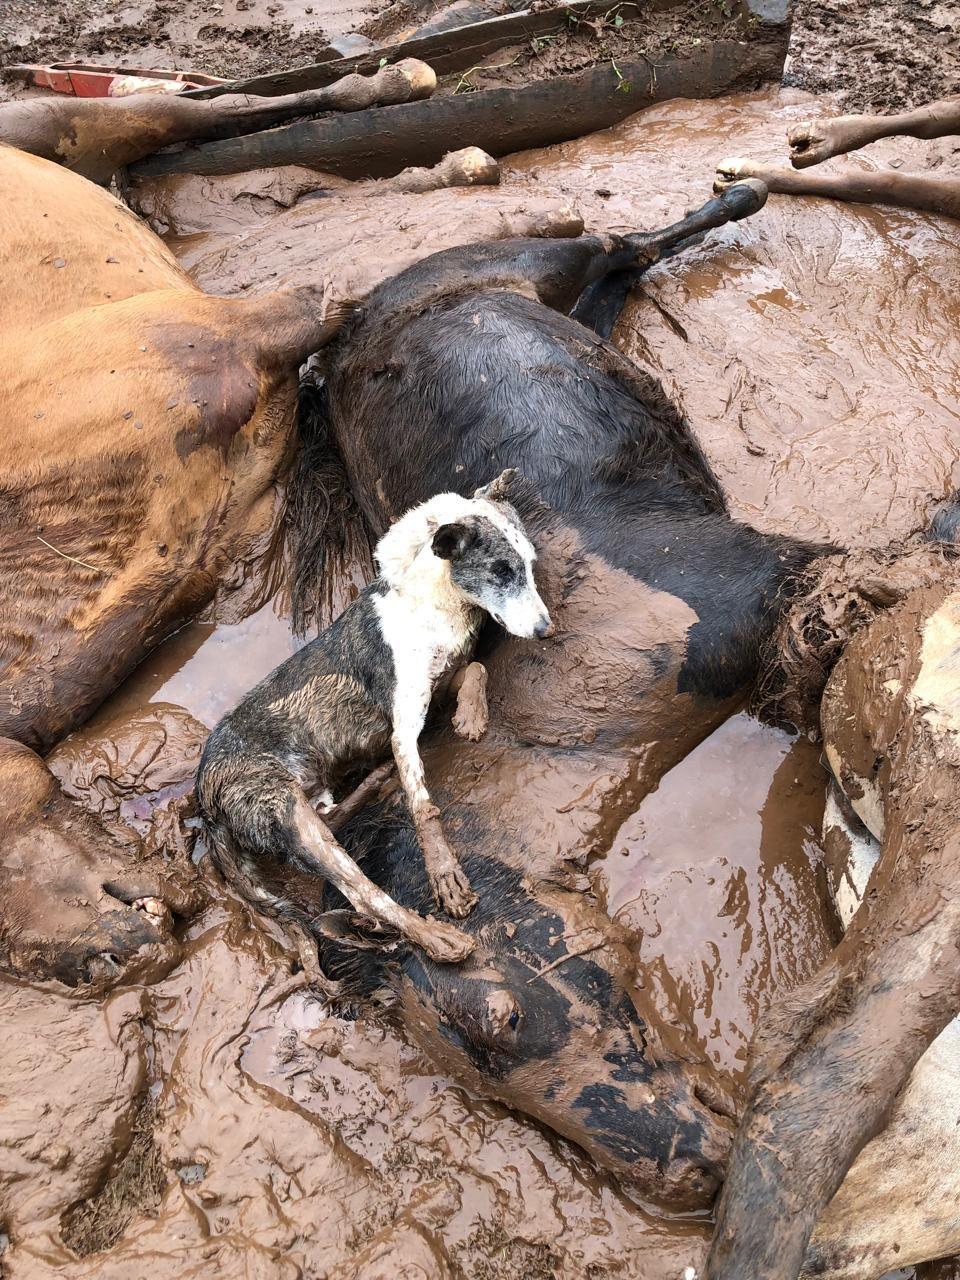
{"points": [[145, 428]]}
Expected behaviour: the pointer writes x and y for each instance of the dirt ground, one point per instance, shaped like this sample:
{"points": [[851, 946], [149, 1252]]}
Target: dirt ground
{"points": [[877, 55], [233, 38], [246, 37], [586, 42]]}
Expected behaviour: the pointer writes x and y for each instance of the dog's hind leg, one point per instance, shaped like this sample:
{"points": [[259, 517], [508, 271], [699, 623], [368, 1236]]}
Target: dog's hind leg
{"points": [[264, 812], [363, 794], [314, 849]]}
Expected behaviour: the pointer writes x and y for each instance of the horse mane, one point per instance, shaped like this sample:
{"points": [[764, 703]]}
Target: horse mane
{"points": [[327, 549]]}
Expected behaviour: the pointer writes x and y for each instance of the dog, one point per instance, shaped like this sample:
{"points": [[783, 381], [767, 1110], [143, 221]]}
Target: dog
{"points": [[362, 686]]}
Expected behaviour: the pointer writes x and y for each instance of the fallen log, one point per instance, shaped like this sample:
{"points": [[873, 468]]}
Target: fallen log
{"points": [[445, 50], [380, 143]]}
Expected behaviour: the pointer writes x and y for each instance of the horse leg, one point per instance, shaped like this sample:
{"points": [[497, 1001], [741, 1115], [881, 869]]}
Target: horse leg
{"points": [[841, 1049], [871, 1226], [928, 193], [813, 141], [559, 270], [98, 136]]}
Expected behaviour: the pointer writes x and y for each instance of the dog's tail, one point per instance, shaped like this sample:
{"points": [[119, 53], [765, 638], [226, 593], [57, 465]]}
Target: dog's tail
{"points": [[944, 524]]}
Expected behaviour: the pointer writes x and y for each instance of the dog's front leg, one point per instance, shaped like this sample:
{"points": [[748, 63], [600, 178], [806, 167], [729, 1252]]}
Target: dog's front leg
{"points": [[449, 882], [472, 715]]}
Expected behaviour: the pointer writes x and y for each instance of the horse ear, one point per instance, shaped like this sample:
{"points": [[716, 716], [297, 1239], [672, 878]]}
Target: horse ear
{"points": [[496, 490], [355, 930], [451, 540]]}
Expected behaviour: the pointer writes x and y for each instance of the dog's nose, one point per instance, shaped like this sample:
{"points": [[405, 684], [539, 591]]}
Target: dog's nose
{"points": [[544, 627]]}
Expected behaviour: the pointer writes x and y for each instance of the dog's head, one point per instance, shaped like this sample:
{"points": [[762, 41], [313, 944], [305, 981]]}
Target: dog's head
{"points": [[488, 555]]}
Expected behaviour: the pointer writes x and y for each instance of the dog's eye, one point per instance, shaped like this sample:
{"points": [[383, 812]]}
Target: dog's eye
{"points": [[514, 1020], [501, 572]]}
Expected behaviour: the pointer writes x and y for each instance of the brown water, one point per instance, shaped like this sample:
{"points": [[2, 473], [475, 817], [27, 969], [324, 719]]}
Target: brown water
{"points": [[815, 349], [719, 870]]}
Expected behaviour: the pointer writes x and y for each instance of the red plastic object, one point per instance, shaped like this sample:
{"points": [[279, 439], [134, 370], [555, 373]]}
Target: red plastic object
{"points": [[83, 80]]}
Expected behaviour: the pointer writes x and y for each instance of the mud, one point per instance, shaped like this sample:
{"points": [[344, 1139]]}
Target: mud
{"points": [[233, 38], [877, 55], [238, 38], [605, 37], [757, 884], [292, 1142]]}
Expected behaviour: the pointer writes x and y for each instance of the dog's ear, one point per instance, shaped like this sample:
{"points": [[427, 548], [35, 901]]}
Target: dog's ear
{"points": [[452, 540], [496, 490]]}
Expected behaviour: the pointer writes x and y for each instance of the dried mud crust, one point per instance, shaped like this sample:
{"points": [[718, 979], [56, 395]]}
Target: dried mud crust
{"points": [[878, 55], [609, 37]]}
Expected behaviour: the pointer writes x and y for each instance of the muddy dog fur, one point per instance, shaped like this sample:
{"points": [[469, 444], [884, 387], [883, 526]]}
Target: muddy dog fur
{"points": [[363, 686]]}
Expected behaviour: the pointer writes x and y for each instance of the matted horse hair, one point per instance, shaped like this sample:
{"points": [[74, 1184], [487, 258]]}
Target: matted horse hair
{"points": [[324, 531], [830, 600]]}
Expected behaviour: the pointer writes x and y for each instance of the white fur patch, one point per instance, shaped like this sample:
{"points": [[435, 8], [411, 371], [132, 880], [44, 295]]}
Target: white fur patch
{"points": [[407, 563], [404, 542], [864, 852], [425, 633], [868, 806], [937, 687]]}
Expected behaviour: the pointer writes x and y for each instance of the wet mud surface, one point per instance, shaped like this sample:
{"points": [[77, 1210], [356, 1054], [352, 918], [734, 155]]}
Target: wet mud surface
{"points": [[220, 1120], [238, 38], [604, 37]]}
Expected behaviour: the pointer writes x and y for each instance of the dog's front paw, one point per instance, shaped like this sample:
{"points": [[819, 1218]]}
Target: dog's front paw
{"points": [[472, 716], [443, 943], [451, 888]]}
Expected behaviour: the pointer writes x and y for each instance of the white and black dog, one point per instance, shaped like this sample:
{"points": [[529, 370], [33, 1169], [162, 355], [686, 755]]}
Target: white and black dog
{"points": [[363, 686]]}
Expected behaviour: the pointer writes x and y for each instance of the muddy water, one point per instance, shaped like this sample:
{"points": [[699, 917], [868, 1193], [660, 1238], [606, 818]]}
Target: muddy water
{"points": [[719, 871], [815, 349]]}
